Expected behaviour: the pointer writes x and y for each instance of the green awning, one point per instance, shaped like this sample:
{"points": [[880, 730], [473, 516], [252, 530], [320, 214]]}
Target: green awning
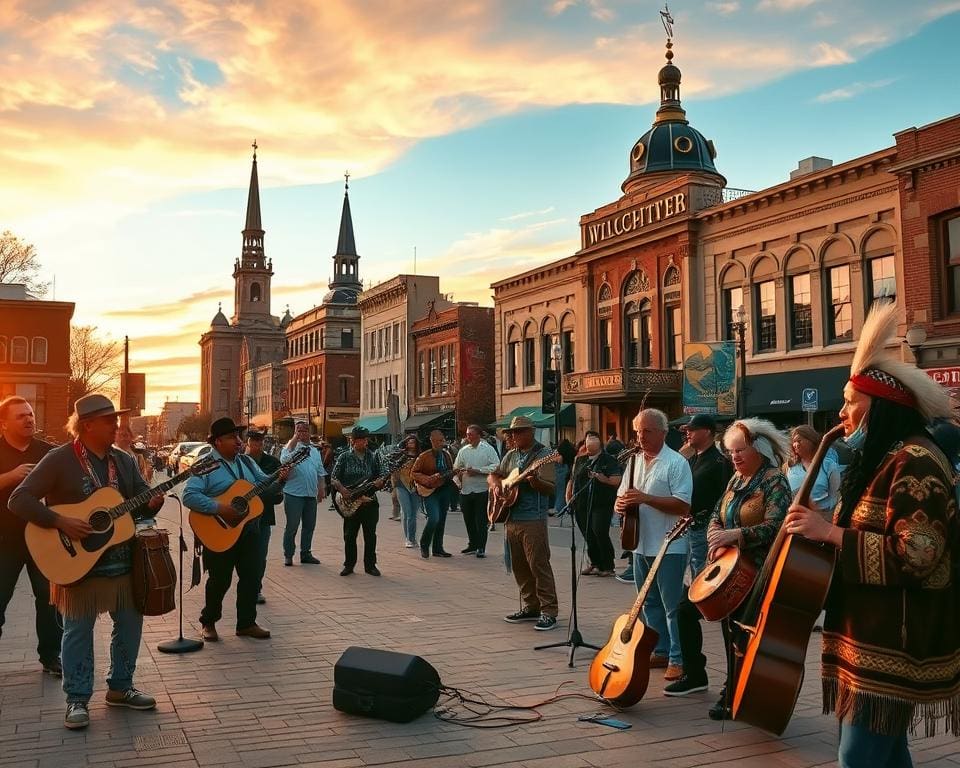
{"points": [[423, 420], [538, 417], [376, 424]]}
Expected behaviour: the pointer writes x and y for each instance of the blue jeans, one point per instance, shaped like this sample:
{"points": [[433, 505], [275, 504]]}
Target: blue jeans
{"points": [[560, 486], [435, 506], [698, 551], [264, 549], [409, 507], [77, 653], [660, 607], [297, 509], [862, 748]]}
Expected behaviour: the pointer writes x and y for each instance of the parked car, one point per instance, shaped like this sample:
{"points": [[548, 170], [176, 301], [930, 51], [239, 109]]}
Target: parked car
{"points": [[173, 461], [187, 460]]}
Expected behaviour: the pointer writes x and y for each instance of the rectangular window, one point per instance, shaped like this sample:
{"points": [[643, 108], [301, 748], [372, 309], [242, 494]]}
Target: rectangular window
{"points": [[529, 362], [395, 383], [634, 358], [840, 317], [396, 339], [513, 364], [346, 338], [453, 367], [646, 339], [386, 342], [433, 372], [344, 393], [380, 344], [951, 254], [883, 281], [674, 336], [732, 301], [605, 337], [801, 312], [444, 371], [766, 317], [567, 341], [421, 374]]}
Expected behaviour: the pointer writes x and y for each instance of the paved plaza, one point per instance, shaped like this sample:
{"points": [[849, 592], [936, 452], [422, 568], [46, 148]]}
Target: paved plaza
{"points": [[256, 704]]}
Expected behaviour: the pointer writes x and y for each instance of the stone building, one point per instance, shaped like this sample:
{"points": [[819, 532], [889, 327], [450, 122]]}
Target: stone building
{"points": [[252, 337]]}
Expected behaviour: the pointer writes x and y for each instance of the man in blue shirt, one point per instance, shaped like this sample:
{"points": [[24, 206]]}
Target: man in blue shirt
{"points": [[199, 495], [303, 490]]}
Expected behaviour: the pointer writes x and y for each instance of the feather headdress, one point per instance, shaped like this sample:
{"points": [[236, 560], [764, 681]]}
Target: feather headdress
{"points": [[766, 438], [876, 372]]}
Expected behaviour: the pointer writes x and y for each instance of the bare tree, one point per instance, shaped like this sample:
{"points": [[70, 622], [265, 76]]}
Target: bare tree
{"points": [[95, 363], [195, 427], [19, 263]]}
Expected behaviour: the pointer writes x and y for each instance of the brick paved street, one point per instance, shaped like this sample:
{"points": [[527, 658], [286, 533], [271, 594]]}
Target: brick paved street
{"points": [[257, 704]]}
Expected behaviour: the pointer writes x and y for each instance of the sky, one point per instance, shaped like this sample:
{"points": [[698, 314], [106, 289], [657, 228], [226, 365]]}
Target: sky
{"points": [[476, 133]]}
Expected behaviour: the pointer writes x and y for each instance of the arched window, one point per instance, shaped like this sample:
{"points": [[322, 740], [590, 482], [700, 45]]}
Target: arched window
{"points": [[606, 293], [39, 352], [19, 350], [513, 358], [568, 342], [529, 355], [255, 294], [671, 277], [637, 325], [548, 337]]}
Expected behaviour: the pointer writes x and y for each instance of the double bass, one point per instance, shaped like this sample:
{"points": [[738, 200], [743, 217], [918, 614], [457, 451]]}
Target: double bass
{"points": [[790, 593]]}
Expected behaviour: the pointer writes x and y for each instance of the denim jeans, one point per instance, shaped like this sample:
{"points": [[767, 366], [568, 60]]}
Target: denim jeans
{"points": [[698, 551], [13, 557], [299, 509], [77, 653], [435, 506], [264, 550], [560, 486], [660, 607], [862, 748], [410, 504]]}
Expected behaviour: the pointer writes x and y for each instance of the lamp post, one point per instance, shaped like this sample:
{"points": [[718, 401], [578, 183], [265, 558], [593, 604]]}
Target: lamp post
{"points": [[739, 327], [556, 352], [916, 337]]}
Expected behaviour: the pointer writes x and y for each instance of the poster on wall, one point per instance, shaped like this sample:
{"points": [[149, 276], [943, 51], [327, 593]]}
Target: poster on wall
{"points": [[710, 378]]}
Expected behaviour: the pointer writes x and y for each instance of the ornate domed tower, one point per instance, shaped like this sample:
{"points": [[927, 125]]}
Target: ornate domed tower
{"points": [[672, 145]]}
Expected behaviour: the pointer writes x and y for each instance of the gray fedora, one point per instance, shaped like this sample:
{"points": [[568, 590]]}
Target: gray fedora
{"points": [[92, 406]]}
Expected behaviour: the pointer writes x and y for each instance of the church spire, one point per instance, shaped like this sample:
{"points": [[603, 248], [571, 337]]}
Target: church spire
{"points": [[252, 271], [253, 229], [345, 260]]}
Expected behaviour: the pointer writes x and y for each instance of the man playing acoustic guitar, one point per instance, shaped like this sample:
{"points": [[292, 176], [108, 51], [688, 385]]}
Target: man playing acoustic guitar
{"points": [[526, 530], [199, 495], [67, 475]]}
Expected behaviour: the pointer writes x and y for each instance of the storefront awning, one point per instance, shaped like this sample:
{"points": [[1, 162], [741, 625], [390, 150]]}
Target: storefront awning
{"points": [[538, 417], [421, 420], [376, 424], [782, 392]]}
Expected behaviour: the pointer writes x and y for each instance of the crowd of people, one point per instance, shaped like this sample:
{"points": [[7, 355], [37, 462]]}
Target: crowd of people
{"points": [[885, 501]]}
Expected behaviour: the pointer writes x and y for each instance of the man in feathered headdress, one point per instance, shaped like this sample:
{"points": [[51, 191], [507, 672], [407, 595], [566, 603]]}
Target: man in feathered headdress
{"points": [[891, 640]]}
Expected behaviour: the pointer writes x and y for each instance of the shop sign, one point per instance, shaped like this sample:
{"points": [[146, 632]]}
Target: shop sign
{"points": [[634, 219]]}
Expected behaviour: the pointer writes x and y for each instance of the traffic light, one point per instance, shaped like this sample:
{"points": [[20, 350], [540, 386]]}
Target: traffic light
{"points": [[550, 396]]}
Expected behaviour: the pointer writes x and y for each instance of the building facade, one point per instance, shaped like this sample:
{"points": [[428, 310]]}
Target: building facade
{"points": [[35, 356], [454, 382], [252, 337], [171, 415], [323, 345], [387, 312]]}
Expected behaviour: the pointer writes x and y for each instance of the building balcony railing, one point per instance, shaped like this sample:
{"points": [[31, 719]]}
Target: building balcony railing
{"points": [[713, 196]]}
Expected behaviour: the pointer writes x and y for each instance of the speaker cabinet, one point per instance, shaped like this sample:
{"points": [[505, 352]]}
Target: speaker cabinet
{"points": [[384, 684]]}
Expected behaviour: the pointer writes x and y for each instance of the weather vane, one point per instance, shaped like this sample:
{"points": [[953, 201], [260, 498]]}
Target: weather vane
{"points": [[667, 20], [346, 179], [254, 145]]}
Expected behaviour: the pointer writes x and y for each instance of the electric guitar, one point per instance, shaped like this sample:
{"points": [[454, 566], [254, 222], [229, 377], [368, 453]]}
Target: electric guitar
{"points": [[64, 560], [499, 505], [217, 533], [360, 493], [620, 672]]}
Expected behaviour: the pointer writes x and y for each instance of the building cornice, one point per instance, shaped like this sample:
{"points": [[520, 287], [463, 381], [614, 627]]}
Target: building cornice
{"points": [[547, 271], [927, 162]]}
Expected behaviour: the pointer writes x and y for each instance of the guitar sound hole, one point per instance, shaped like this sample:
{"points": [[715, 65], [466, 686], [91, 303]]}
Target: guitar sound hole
{"points": [[625, 636], [714, 572], [240, 504], [100, 521]]}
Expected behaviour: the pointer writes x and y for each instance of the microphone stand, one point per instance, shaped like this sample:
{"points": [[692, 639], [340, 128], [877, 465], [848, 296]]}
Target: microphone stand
{"points": [[181, 644], [574, 639]]}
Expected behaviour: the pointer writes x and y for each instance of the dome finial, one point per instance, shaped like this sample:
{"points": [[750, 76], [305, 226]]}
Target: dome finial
{"points": [[219, 306], [346, 181]]}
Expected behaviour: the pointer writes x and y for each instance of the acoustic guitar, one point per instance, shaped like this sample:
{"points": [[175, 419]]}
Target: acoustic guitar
{"points": [[218, 534], [425, 490], [499, 504], [64, 560], [620, 672], [791, 590]]}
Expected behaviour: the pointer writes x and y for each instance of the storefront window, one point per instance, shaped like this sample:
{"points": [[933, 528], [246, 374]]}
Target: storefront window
{"points": [[883, 281], [801, 312], [840, 317], [766, 316]]}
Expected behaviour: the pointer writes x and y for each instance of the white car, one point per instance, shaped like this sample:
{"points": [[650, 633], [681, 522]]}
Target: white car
{"points": [[173, 460], [190, 458]]}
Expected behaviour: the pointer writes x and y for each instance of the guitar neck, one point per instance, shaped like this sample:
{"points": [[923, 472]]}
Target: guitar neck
{"points": [[139, 500], [647, 583]]}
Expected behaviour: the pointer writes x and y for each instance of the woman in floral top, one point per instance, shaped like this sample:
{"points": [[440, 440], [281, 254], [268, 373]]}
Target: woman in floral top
{"points": [[751, 510]]}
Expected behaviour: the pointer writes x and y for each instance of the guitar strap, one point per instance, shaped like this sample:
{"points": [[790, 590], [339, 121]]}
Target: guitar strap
{"points": [[226, 466], [80, 451]]}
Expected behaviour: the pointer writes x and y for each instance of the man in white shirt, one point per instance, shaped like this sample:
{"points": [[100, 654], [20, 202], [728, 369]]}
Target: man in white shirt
{"points": [[658, 479], [305, 488], [475, 461]]}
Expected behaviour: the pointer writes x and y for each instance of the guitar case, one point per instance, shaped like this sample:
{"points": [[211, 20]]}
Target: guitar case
{"points": [[384, 684]]}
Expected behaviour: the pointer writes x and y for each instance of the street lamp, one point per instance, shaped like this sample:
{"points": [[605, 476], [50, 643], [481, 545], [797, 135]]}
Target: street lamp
{"points": [[739, 327], [916, 337], [556, 352]]}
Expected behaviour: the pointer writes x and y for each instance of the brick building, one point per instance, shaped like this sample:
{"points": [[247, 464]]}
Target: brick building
{"points": [[454, 382], [927, 169], [323, 345], [35, 355]]}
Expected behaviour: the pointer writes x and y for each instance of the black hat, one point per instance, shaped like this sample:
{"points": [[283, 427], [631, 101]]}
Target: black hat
{"points": [[255, 434], [359, 432], [221, 427], [702, 421]]}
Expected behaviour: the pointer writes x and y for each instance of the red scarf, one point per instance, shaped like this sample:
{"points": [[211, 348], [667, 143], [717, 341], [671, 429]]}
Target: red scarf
{"points": [[81, 452]]}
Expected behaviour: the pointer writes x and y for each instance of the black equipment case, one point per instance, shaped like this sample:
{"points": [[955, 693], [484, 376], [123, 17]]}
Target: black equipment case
{"points": [[384, 684]]}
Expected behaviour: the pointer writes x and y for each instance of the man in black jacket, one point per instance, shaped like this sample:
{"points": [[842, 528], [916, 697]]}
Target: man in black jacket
{"points": [[269, 464], [595, 479], [19, 452]]}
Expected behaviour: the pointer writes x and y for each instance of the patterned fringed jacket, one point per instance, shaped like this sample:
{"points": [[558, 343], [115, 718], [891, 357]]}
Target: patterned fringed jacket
{"points": [[891, 641]]}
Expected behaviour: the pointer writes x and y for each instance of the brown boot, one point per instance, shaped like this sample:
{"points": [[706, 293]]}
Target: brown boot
{"points": [[254, 630], [209, 633]]}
